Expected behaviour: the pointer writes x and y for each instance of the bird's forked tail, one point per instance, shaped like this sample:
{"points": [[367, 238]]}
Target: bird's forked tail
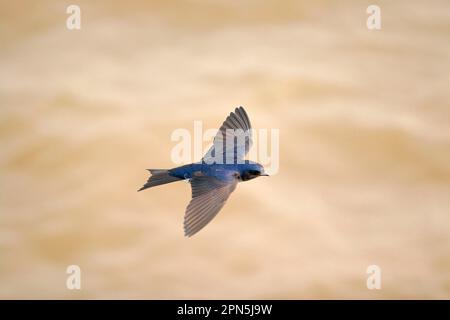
{"points": [[158, 177]]}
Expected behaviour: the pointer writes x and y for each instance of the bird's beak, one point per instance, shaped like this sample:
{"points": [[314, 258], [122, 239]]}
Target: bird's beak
{"points": [[264, 175]]}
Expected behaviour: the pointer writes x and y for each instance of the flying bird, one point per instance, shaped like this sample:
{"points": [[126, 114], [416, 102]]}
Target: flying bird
{"points": [[216, 176]]}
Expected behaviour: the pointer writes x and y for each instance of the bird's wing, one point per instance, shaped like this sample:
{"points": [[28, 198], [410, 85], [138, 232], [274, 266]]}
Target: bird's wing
{"points": [[209, 194], [225, 147]]}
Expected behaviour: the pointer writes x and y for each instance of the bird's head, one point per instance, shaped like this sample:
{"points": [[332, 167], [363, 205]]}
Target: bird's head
{"points": [[252, 171]]}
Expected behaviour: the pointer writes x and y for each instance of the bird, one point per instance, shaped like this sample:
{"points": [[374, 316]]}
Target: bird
{"points": [[216, 176]]}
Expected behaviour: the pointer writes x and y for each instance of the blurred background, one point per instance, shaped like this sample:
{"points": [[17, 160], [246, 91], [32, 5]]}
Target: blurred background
{"points": [[364, 173]]}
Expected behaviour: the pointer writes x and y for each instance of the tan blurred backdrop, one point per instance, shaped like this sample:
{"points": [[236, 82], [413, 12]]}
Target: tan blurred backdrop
{"points": [[364, 135]]}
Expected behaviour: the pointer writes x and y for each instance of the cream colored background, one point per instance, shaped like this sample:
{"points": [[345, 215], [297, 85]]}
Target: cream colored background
{"points": [[365, 148]]}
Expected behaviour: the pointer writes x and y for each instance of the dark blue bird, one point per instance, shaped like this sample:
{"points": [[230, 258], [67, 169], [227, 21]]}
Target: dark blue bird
{"points": [[215, 177]]}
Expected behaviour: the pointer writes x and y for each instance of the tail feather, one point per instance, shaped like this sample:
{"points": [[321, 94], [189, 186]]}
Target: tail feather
{"points": [[158, 177]]}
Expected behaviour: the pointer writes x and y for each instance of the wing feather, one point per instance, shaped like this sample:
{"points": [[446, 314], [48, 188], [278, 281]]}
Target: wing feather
{"points": [[237, 120], [209, 195]]}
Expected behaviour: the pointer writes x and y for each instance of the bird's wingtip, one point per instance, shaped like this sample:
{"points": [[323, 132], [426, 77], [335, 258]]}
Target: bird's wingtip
{"points": [[187, 234]]}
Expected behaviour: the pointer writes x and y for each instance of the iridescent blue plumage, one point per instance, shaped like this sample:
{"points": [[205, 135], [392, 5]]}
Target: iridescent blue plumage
{"points": [[220, 171]]}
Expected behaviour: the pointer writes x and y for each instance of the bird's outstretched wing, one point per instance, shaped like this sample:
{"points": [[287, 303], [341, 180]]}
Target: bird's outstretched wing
{"points": [[233, 141], [209, 194]]}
